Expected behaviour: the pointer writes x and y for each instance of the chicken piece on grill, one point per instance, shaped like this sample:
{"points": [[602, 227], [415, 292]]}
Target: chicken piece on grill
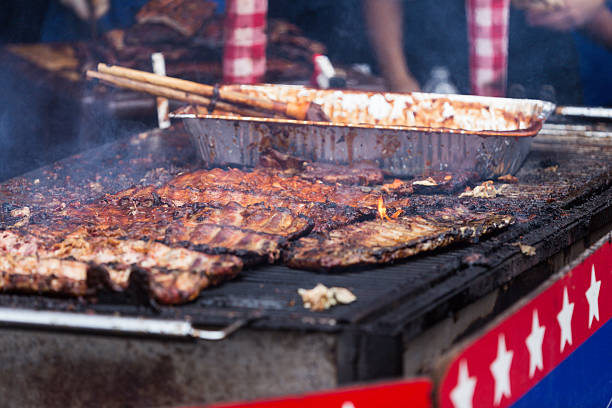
{"points": [[379, 241]]}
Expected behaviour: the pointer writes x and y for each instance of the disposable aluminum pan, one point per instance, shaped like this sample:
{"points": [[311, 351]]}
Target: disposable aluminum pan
{"points": [[405, 134]]}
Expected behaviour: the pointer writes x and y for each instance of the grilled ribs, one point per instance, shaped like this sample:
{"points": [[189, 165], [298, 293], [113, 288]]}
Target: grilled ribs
{"points": [[173, 239], [363, 173], [43, 275], [379, 241], [174, 275], [271, 183], [325, 216], [184, 16]]}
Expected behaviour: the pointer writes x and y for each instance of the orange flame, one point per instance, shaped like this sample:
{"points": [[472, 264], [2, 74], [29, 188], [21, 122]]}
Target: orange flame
{"points": [[382, 211], [397, 214]]}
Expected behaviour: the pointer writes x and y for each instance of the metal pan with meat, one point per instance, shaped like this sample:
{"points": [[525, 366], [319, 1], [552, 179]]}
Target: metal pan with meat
{"points": [[404, 134]]}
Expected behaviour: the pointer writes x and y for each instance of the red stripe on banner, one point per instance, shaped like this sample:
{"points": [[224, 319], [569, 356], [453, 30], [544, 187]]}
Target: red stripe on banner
{"points": [[402, 394], [500, 367]]}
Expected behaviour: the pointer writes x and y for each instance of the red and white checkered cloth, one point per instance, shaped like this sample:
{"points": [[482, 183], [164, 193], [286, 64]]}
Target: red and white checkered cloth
{"points": [[244, 52], [488, 38]]}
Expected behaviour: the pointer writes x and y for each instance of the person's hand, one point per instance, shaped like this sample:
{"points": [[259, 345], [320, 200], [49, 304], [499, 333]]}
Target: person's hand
{"points": [[573, 14], [83, 8], [405, 83]]}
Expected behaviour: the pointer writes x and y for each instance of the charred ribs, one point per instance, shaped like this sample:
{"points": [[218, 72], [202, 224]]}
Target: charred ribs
{"points": [[200, 228]]}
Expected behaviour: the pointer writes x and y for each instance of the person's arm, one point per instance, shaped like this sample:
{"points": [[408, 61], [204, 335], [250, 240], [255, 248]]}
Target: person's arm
{"points": [[591, 15], [384, 20], [83, 8], [600, 28]]}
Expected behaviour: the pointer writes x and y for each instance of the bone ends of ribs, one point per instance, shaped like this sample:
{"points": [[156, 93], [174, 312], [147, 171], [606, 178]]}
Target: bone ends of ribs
{"points": [[80, 265], [35, 275], [167, 275]]}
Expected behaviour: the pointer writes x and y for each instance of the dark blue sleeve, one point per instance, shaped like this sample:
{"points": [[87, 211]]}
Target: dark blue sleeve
{"points": [[595, 68]]}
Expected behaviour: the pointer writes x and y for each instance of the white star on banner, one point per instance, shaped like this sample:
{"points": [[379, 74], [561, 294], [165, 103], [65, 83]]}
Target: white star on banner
{"points": [[565, 320], [592, 295], [463, 393], [534, 344], [500, 368]]}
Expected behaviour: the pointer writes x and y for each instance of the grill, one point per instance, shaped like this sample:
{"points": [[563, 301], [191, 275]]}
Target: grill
{"points": [[563, 204]]}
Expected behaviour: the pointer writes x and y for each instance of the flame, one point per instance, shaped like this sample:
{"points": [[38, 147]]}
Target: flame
{"points": [[397, 184], [382, 211], [397, 214]]}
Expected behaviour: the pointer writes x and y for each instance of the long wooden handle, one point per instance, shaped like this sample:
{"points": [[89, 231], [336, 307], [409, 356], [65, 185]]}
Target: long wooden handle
{"points": [[293, 110], [170, 93]]}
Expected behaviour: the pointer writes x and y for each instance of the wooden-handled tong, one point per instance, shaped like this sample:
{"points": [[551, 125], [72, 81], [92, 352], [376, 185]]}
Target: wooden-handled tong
{"points": [[206, 95]]}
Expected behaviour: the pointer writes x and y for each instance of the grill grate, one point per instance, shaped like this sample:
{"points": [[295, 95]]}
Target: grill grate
{"points": [[562, 190]]}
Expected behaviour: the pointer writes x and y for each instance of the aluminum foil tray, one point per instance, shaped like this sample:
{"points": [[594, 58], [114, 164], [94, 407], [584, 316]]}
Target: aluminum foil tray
{"points": [[405, 134]]}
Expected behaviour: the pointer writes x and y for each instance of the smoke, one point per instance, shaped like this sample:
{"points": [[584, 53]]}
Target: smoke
{"points": [[4, 143], [44, 118]]}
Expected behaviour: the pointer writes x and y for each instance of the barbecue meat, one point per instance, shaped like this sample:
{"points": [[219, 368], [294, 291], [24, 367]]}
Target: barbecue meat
{"points": [[333, 174], [257, 218], [271, 183], [357, 174], [140, 34], [251, 246], [43, 275], [379, 241], [254, 232], [169, 269], [184, 16], [174, 275], [143, 214], [174, 239], [325, 216]]}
